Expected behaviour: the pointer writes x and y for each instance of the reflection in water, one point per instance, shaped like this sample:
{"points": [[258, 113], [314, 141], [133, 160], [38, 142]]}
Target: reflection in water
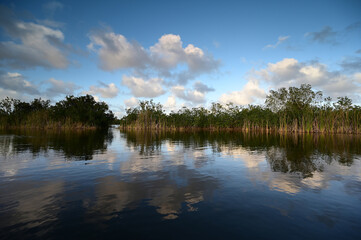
{"points": [[209, 184], [19, 148], [296, 161], [167, 191], [32, 203], [78, 144], [301, 154]]}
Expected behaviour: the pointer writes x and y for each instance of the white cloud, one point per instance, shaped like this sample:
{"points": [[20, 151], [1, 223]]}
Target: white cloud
{"points": [[16, 82], [15, 85], [39, 45], [290, 72], [196, 95], [168, 52], [115, 52], [193, 96], [106, 91], [166, 58], [13, 94], [50, 23], [357, 77], [144, 88], [251, 93], [171, 103], [285, 70], [59, 87], [201, 87], [198, 61], [281, 39], [131, 102], [96, 98]]}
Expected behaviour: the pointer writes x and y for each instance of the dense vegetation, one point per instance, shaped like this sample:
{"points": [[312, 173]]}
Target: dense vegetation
{"points": [[285, 110], [72, 112]]}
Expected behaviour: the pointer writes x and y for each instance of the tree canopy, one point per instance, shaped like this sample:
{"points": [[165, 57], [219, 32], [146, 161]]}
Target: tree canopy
{"points": [[81, 111]]}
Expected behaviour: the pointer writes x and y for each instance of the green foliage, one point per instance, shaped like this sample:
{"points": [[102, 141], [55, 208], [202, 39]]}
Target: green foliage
{"points": [[84, 110], [81, 111], [288, 110]]}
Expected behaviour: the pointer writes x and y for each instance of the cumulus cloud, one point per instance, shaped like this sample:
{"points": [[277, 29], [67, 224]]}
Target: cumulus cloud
{"points": [[13, 94], [50, 23], [284, 70], [144, 88], [291, 72], [201, 87], [166, 58], [131, 102], [198, 61], [249, 94], [116, 52], [39, 45], [16, 82], [281, 39], [168, 52], [357, 77], [105, 90], [15, 85], [59, 87], [189, 95], [171, 103]]}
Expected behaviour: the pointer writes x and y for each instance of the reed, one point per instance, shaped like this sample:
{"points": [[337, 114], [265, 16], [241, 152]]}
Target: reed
{"points": [[293, 110]]}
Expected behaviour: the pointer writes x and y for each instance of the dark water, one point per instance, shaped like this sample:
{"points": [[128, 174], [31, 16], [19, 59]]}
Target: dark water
{"points": [[200, 185]]}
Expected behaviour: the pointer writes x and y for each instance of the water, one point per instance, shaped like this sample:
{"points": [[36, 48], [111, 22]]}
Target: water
{"points": [[197, 185]]}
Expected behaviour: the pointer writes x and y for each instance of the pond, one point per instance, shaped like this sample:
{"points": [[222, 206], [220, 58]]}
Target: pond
{"points": [[178, 185]]}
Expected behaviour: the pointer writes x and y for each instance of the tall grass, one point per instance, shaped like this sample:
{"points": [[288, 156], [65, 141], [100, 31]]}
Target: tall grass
{"points": [[308, 115]]}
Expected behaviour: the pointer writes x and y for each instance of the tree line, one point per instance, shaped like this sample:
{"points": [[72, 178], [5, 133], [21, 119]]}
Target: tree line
{"points": [[296, 109], [72, 112]]}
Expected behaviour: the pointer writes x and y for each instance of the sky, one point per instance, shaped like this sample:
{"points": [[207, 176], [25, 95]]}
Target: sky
{"points": [[178, 53]]}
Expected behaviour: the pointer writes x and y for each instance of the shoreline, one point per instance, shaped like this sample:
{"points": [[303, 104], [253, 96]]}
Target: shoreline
{"points": [[238, 129]]}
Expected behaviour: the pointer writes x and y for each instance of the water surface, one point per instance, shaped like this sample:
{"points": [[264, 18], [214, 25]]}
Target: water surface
{"points": [[177, 185]]}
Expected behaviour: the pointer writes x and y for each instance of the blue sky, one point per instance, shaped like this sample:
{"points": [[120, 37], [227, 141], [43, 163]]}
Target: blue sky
{"points": [[179, 53]]}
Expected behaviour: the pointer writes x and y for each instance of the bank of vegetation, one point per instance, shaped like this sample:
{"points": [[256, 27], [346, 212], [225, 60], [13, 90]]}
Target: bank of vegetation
{"points": [[296, 109], [72, 112]]}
